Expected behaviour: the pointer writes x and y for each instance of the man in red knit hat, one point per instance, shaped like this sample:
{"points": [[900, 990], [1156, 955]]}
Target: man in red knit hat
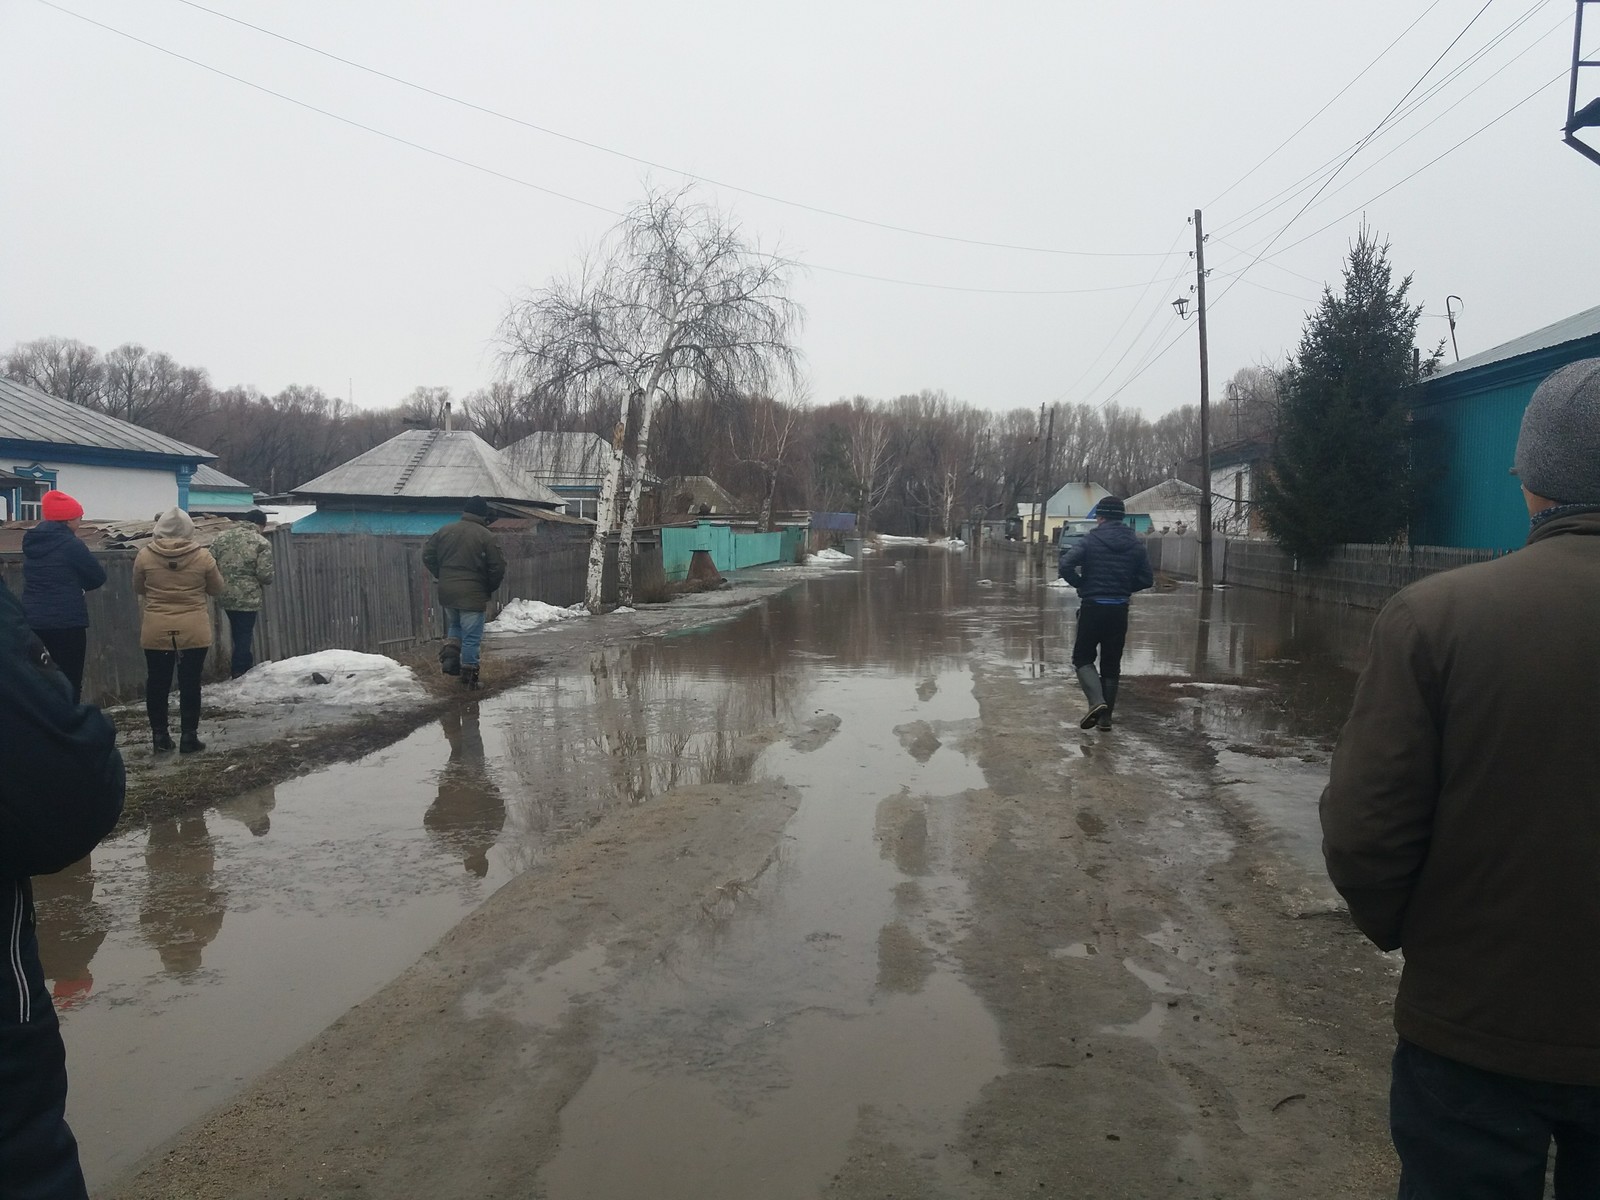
{"points": [[57, 569]]}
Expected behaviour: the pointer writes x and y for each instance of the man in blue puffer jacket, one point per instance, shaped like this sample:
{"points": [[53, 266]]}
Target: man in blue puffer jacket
{"points": [[61, 788], [1106, 567], [57, 569]]}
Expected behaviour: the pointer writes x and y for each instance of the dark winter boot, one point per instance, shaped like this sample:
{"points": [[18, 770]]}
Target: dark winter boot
{"points": [[1089, 681], [189, 741], [1109, 689], [469, 677], [156, 708], [162, 740], [450, 657]]}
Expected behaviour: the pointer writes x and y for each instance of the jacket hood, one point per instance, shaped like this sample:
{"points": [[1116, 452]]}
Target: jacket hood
{"points": [[1579, 519], [174, 523], [174, 548], [46, 538], [1114, 534]]}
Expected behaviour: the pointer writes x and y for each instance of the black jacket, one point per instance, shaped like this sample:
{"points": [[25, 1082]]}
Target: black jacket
{"points": [[61, 788], [57, 569], [1109, 563]]}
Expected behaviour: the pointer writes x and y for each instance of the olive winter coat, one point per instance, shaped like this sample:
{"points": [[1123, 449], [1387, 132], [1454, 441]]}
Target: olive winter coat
{"points": [[245, 559], [467, 561]]}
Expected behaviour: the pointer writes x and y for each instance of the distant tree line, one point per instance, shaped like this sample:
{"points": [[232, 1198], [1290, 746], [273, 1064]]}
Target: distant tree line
{"points": [[916, 463]]}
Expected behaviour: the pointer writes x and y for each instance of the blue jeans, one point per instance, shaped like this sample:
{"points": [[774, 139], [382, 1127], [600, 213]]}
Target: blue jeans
{"points": [[1468, 1134], [466, 627]]}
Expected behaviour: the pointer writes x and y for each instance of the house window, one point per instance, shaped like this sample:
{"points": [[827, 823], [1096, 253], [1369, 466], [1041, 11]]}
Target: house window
{"points": [[1238, 488], [36, 481], [588, 508]]}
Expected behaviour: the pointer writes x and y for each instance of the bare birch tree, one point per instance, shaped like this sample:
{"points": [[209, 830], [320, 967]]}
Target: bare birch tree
{"points": [[869, 452], [676, 297], [766, 444]]}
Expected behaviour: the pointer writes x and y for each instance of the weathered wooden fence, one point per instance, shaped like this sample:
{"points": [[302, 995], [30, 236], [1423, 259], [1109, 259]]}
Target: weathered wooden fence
{"points": [[1362, 576], [335, 591]]}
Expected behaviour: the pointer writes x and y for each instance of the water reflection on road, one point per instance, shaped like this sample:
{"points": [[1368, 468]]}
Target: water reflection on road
{"points": [[189, 956]]}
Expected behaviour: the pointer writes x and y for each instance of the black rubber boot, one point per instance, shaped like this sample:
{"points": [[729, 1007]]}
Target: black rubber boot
{"points": [[1089, 681], [1109, 689], [469, 677], [450, 657], [189, 741], [161, 740]]}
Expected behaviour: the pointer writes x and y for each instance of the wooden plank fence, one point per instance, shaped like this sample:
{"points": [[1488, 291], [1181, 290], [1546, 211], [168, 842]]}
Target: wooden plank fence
{"points": [[1359, 575], [336, 591]]}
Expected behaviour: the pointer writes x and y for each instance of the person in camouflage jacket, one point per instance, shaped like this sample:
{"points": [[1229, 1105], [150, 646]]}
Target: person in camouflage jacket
{"points": [[245, 559]]}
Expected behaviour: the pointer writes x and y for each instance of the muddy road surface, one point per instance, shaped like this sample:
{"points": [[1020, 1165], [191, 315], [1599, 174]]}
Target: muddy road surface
{"points": [[832, 899]]}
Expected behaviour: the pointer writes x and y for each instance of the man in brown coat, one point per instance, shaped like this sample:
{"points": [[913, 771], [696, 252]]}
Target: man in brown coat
{"points": [[1462, 825]]}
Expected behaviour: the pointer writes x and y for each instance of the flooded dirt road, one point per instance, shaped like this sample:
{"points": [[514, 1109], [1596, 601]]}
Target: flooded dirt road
{"points": [[833, 899]]}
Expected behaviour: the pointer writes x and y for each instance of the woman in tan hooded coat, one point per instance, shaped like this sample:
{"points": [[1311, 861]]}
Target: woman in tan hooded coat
{"points": [[175, 576]]}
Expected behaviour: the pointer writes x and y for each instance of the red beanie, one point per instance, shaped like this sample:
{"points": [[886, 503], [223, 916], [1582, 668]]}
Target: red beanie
{"points": [[58, 506]]}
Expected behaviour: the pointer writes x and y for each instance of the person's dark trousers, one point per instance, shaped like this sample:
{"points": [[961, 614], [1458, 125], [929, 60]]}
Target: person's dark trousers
{"points": [[159, 665], [1467, 1134], [243, 626], [38, 1155], [1102, 628], [70, 648]]}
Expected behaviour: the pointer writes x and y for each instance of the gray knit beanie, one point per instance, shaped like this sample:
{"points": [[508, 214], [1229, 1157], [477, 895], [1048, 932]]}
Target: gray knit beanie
{"points": [[1558, 451]]}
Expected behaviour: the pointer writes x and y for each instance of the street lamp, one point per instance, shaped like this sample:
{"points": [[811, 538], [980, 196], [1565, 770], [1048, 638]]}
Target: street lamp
{"points": [[1181, 306]]}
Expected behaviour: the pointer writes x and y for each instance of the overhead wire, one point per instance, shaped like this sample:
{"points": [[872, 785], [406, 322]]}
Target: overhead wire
{"points": [[1285, 228], [642, 161], [526, 183], [1233, 225], [1302, 128]]}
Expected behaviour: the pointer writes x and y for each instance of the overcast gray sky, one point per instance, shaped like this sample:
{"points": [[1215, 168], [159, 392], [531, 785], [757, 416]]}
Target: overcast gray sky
{"points": [[147, 199]]}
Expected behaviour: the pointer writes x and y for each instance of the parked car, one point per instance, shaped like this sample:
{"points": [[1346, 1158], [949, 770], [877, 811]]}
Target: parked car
{"points": [[1073, 532]]}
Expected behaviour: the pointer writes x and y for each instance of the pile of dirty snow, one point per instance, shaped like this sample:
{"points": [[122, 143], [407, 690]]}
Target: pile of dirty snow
{"points": [[894, 539], [522, 616], [949, 544], [353, 679], [830, 555]]}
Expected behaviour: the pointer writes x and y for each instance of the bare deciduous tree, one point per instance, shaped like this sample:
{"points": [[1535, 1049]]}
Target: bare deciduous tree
{"points": [[676, 299], [766, 443], [63, 367]]}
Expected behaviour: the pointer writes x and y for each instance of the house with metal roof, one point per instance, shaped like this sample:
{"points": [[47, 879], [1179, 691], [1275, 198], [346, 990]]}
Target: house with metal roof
{"points": [[1069, 502], [1170, 505], [115, 469], [700, 495], [416, 483], [1465, 422], [573, 465], [210, 491]]}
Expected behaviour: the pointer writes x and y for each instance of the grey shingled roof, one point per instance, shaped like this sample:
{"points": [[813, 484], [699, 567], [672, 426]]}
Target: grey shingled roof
{"points": [[432, 464], [212, 480], [29, 415], [562, 459], [1570, 329]]}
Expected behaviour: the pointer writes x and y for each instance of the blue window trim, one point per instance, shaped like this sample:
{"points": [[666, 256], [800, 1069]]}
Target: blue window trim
{"points": [[97, 456], [36, 472]]}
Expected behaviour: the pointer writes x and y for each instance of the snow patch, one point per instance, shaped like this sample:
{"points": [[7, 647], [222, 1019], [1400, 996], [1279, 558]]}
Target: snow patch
{"points": [[521, 616], [830, 555], [949, 544], [623, 608], [892, 539], [355, 679], [1221, 687]]}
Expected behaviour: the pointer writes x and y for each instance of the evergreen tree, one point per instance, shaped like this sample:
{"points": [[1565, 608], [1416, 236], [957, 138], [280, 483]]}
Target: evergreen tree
{"points": [[1341, 469]]}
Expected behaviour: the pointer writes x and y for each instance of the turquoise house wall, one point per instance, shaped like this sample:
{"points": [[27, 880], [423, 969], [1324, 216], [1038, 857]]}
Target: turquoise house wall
{"points": [[1467, 494], [730, 551]]}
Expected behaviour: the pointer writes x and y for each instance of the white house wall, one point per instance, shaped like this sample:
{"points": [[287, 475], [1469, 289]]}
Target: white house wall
{"points": [[1226, 516], [110, 493]]}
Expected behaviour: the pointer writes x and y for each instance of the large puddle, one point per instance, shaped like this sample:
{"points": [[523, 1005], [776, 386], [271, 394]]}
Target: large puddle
{"points": [[190, 956]]}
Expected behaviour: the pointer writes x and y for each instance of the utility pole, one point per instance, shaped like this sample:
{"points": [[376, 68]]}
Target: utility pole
{"points": [[1205, 408], [1038, 492]]}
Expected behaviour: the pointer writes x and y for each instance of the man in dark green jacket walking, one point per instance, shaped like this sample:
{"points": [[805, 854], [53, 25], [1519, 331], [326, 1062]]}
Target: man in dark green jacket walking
{"points": [[1462, 825], [468, 564]]}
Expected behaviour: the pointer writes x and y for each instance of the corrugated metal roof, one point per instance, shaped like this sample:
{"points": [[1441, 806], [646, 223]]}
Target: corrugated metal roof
{"points": [[209, 479], [562, 459], [1166, 494], [432, 464], [1580, 325], [29, 415], [686, 493]]}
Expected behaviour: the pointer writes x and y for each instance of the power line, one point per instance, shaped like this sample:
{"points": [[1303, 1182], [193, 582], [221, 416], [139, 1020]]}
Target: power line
{"points": [[1273, 152], [1286, 196], [520, 182], [1357, 150], [634, 158]]}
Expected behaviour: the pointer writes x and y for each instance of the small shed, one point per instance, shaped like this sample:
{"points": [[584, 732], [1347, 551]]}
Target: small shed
{"points": [[210, 491], [1465, 422], [115, 469], [416, 483]]}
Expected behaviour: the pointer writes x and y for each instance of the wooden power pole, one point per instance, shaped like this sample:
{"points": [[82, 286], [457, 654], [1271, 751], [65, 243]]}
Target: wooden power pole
{"points": [[1205, 408]]}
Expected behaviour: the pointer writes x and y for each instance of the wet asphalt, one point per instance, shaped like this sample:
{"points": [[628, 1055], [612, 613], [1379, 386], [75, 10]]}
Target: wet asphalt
{"points": [[189, 956]]}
